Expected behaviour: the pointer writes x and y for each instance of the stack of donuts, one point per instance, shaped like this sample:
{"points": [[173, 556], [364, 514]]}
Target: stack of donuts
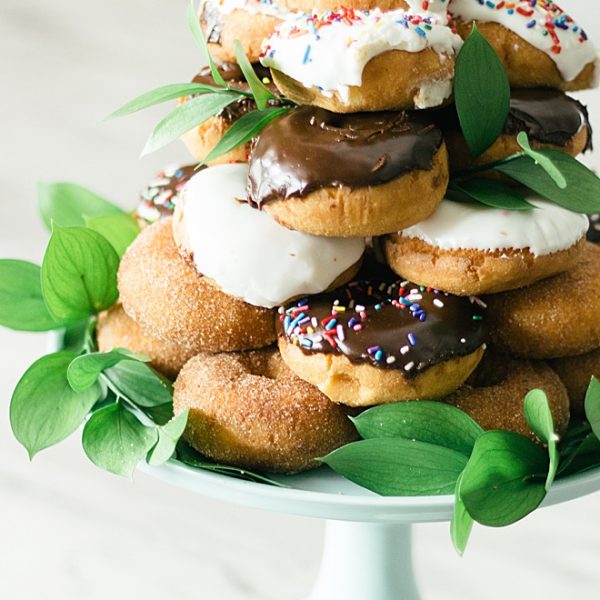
{"points": [[320, 269]]}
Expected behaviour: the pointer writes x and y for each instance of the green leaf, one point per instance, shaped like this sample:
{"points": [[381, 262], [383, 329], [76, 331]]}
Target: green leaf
{"points": [[22, 305], [65, 204], [490, 193], [592, 406], [119, 230], [500, 483], [85, 370], [116, 441], [462, 522], [186, 116], [194, 26], [79, 274], [481, 92], [398, 467], [542, 160], [261, 93], [160, 414], [431, 422], [539, 418], [73, 337], [584, 457], [188, 456], [162, 94], [140, 384], [44, 410], [582, 193], [243, 130], [168, 436]]}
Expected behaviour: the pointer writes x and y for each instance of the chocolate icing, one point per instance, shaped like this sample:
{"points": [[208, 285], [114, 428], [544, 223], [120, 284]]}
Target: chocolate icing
{"points": [[311, 148], [593, 234], [233, 75], [387, 323], [162, 193], [548, 116]]}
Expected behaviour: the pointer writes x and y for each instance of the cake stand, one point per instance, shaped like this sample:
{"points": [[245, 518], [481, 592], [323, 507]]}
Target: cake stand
{"points": [[367, 553]]}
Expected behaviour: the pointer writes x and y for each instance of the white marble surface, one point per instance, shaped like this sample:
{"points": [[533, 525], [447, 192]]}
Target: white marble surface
{"points": [[69, 531]]}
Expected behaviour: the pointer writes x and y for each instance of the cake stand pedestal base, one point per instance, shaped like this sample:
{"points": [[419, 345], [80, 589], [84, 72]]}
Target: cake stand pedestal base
{"points": [[366, 561]]}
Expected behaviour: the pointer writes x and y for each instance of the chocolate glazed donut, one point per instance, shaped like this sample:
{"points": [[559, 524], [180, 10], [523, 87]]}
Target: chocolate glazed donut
{"points": [[390, 166]]}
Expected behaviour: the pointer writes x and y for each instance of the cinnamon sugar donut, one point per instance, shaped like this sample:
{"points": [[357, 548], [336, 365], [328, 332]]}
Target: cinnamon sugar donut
{"points": [[576, 373], [538, 44], [349, 60], [382, 340], [246, 253], [249, 410], [167, 297], [344, 175], [494, 396], [249, 21], [116, 330], [203, 138], [470, 249], [549, 117], [553, 318]]}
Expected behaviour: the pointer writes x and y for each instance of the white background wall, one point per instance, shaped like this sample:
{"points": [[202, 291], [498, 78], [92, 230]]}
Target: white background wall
{"points": [[69, 531]]}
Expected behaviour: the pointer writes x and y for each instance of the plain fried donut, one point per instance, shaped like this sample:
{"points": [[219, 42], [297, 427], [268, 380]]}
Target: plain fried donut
{"points": [[168, 298], [553, 318], [249, 410], [495, 394], [116, 330]]}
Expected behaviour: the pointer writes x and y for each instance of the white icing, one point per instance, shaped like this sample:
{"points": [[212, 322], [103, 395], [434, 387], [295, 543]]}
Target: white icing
{"points": [[546, 229], [332, 56], [254, 7], [576, 51], [250, 255], [433, 93], [432, 7]]}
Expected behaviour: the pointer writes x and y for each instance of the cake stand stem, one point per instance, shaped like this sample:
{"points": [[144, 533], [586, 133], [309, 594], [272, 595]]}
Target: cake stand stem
{"points": [[366, 561]]}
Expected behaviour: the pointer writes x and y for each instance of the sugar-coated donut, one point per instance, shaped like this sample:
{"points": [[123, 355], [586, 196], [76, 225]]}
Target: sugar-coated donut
{"points": [[159, 198], [249, 410], [494, 396], [382, 340], [553, 318], [116, 330], [167, 297], [469, 249], [537, 42], [249, 21], [246, 253], [576, 373], [549, 117], [346, 175], [349, 61], [203, 138]]}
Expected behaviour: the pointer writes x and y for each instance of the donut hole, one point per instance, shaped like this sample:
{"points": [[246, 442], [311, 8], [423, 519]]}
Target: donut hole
{"points": [[493, 370]]}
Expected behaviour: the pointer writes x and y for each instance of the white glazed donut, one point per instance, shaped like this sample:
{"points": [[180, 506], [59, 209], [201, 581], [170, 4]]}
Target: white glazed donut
{"points": [[471, 249], [333, 53], [247, 253]]}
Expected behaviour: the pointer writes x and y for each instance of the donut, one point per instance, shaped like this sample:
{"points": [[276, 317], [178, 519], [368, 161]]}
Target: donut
{"points": [[249, 21], [247, 254], [576, 373], [158, 199], [494, 396], [116, 330], [549, 117], [426, 7], [349, 60], [470, 249], [249, 410], [593, 234], [173, 303], [537, 42], [382, 340], [553, 318], [346, 175], [203, 138]]}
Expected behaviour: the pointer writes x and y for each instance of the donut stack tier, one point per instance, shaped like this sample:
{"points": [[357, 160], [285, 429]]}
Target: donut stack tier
{"points": [[322, 269]]}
